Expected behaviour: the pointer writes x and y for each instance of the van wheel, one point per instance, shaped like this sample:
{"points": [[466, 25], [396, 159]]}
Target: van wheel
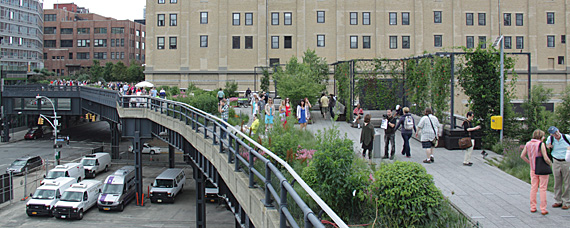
{"points": [[78, 179], [152, 152], [94, 174], [80, 215], [121, 207], [106, 168], [182, 189]]}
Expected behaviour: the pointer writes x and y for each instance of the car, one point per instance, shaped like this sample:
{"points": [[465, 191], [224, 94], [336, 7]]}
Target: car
{"points": [[34, 133], [147, 149], [19, 166]]}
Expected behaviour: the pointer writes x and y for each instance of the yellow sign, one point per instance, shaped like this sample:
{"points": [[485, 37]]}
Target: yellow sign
{"points": [[40, 121], [496, 122]]}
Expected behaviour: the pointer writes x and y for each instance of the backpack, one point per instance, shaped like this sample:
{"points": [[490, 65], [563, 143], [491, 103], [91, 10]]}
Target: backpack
{"points": [[563, 136], [409, 123]]}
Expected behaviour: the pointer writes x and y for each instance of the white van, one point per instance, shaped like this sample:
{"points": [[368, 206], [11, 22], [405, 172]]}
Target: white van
{"points": [[74, 170], [167, 185], [78, 199], [47, 195], [96, 163], [118, 190]]}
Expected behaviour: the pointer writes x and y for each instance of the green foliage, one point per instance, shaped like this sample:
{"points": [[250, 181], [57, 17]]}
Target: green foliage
{"points": [[96, 71], [264, 86], [231, 88], [439, 86], [342, 78], [535, 114], [287, 138], [119, 72], [563, 112], [134, 73], [237, 121], [173, 90], [318, 65], [108, 72], [417, 83], [404, 194], [205, 102], [43, 74]]}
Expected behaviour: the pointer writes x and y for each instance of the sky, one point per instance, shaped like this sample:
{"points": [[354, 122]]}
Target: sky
{"points": [[118, 9]]}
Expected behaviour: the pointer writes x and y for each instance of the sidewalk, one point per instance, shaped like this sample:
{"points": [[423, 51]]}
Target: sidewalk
{"points": [[488, 195]]}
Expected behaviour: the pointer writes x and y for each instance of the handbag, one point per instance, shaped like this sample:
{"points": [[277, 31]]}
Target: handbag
{"points": [[540, 165], [435, 140], [465, 143]]}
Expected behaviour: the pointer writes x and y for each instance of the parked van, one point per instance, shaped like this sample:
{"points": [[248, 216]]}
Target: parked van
{"points": [[96, 163], [78, 199], [118, 190], [47, 195], [167, 185], [74, 170]]}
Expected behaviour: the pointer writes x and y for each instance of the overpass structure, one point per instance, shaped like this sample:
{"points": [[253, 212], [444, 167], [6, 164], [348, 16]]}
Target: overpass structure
{"points": [[258, 192]]}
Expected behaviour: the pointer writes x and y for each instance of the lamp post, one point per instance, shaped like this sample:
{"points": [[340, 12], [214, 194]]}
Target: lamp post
{"points": [[500, 41], [54, 125]]}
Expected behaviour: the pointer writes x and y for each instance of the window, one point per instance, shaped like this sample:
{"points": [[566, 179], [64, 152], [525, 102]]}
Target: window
{"points": [[405, 42], [248, 18], [561, 60], [405, 18], [273, 61], [50, 30], [274, 42], [507, 19], [437, 41], [160, 43], [563, 39], [122, 55], [353, 42], [49, 43], [393, 42], [138, 33], [470, 42], [66, 31], [550, 18], [550, 41], [519, 18], [366, 18], [508, 42], [82, 55], [100, 43], [173, 19], [520, 42], [99, 31], [173, 1], [203, 41], [122, 42], [274, 18], [482, 20], [203, 17], [287, 17], [66, 43], [173, 42], [287, 42], [320, 16], [483, 42], [437, 17], [235, 42], [249, 42], [99, 55], [50, 17], [160, 1], [113, 55], [70, 55], [118, 30], [393, 18], [320, 40], [366, 42], [235, 19], [142, 45], [160, 20], [85, 30], [83, 43], [353, 18], [469, 19]]}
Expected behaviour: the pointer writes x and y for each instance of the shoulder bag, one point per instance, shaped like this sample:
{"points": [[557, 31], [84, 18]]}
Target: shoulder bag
{"points": [[540, 165], [435, 140], [465, 143]]}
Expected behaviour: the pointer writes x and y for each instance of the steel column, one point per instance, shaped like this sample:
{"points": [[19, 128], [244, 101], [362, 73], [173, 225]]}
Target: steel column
{"points": [[170, 156], [115, 139], [137, 147], [452, 91], [200, 199]]}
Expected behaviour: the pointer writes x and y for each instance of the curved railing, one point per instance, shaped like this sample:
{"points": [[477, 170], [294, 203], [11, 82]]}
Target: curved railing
{"points": [[235, 139]]}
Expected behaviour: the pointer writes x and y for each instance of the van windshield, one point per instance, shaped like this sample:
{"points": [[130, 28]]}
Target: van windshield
{"points": [[88, 162], [112, 189], [72, 196], [55, 174], [160, 183], [44, 194], [19, 163]]}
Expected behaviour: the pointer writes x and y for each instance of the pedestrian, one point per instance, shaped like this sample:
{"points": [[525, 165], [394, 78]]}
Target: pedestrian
{"points": [[399, 111], [309, 106], [220, 94], [153, 92], [468, 131], [269, 113], [367, 137], [332, 103], [302, 114], [559, 143], [224, 111], [261, 105], [390, 134], [255, 105], [265, 97], [247, 93], [287, 107], [162, 93], [358, 112], [428, 127], [282, 112], [408, 127], [324, 105], [535, 148]]}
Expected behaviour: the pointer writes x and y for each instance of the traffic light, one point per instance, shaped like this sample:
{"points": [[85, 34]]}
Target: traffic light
{"points": [[40, 121]]}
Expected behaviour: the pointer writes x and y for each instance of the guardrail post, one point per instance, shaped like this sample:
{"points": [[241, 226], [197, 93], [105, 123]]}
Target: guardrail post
{"points": [[268, 202], [283, 204], [230, 158], [205, 127], [214, 133], [251, 182], [236, 160], [193, 121]]}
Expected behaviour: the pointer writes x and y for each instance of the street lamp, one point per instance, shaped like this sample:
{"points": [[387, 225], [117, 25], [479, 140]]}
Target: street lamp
{"points": [[54, 125], [500, 41]]}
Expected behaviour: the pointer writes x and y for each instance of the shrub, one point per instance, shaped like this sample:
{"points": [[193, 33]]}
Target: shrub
{"points": [[174, 90], [206, 103], [563, 111], [536, 116], [231, 88]]}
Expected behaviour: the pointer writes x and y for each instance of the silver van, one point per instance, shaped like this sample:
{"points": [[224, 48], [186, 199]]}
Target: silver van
{"points": [[118, 190], [167, 185]]}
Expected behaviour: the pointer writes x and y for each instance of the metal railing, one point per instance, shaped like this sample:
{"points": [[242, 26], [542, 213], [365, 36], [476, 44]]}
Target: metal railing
{"points": [[212, 127]]}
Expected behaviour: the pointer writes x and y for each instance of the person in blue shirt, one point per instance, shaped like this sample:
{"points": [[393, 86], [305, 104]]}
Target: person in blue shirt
{"points": [[220, 95], [560, 167]]}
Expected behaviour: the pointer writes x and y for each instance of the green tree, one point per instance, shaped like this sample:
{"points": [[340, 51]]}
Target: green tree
{"points": [[108, 72], [318, 65], [563, 112], [135, 73], [534, 112], [119, 71], [231, 88], [96, 71], [264, 85]]}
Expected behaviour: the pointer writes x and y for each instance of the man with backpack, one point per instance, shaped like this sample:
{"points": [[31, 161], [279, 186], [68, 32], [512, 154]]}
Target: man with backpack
{"points": [[560, 167], [389, 134], [408, 127]]}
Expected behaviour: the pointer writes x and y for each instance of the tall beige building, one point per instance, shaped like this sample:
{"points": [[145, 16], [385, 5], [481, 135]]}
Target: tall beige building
{"points": [[208, 42]]}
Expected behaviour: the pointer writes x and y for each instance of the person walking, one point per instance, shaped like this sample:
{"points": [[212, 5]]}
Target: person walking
{"points": [[358, 112], [254, 105], [282, 112], [367, 137], [535, 148], [428, 127], [332, 103], [389, 134], [220, 94], [161, 94], [408, 128], [324, 105], [269, 113], [261, 105], [302, 114], [153, 92], [224, 111], [560, 167], [469, 129]]}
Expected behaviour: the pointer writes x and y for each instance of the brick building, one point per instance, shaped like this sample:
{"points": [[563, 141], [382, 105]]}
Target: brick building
{"points": [[73, 38]]}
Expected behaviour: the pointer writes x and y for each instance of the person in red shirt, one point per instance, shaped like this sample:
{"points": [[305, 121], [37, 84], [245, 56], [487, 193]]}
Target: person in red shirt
{"points": [[358, 112]]}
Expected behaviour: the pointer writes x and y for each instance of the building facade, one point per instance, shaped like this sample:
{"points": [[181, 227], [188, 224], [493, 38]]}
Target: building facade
{"points": [[21, 39], [73, 39], [208, 42]]}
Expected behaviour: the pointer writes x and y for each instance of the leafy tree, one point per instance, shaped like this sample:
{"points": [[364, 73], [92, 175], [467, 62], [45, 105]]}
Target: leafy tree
{"points": [[119, 71], [342, 78], [230, 90], [264, 86], [536, 116], [96, 71], [42, 74], [563, 112], [439, 86], [108, 72], [135, 73], [318, 65]]}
